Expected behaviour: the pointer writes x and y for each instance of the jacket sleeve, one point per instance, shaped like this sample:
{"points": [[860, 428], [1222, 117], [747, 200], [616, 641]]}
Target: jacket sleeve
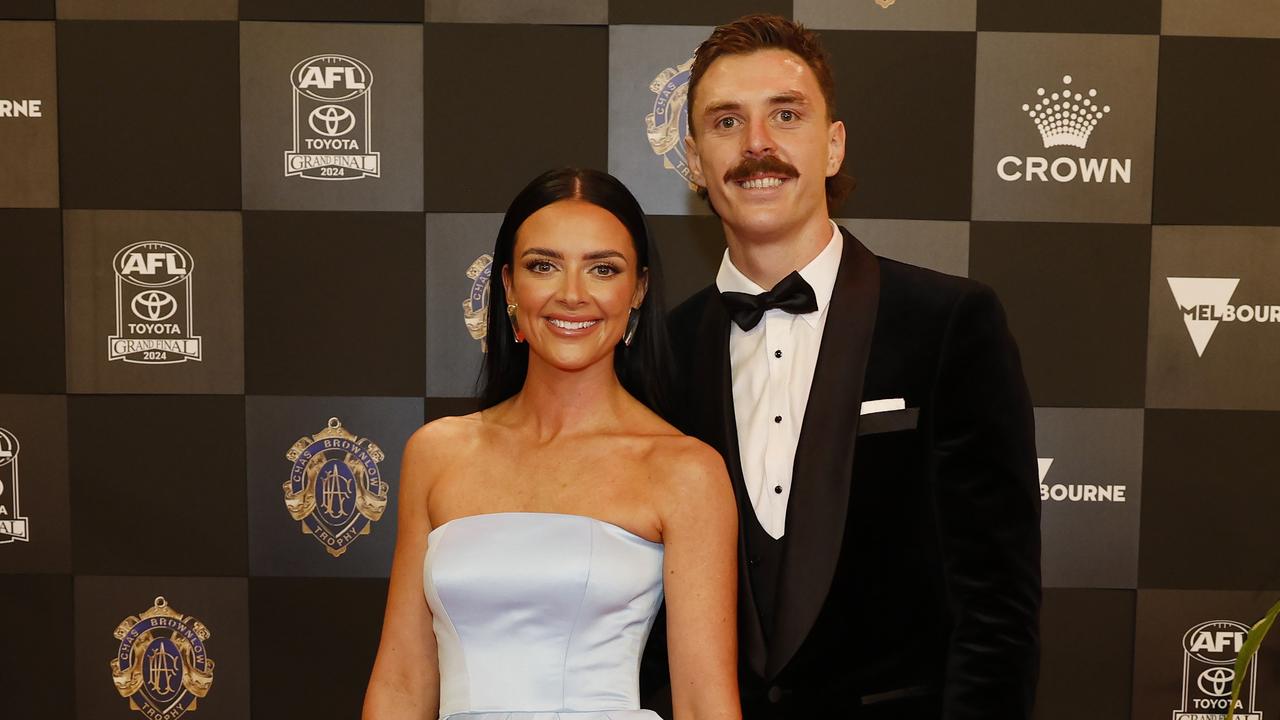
{"points": [[986, 490]]}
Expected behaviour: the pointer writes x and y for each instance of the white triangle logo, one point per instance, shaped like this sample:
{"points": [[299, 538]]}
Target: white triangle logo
{"points": [[1044, 467], [1191, 293]]}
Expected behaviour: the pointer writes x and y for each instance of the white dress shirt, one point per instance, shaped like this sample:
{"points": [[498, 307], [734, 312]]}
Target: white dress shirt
{"points": [[772, 367]]}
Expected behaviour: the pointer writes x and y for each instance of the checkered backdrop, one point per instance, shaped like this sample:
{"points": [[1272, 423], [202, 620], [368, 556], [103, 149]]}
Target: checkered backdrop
{"points": [[233, 233]]}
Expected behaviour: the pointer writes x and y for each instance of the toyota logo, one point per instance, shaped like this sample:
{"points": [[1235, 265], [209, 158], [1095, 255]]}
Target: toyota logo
{"points": [[332, 120], [154, 305], [1216, 681]]}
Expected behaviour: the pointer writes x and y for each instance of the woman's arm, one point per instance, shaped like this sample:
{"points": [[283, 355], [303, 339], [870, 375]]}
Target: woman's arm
{"points": [[700, 534], [405, 684]]}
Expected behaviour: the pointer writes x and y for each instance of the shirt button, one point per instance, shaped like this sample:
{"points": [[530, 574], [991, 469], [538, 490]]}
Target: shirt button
{"points": [[777, 418], [777, 353], [777, 489]]}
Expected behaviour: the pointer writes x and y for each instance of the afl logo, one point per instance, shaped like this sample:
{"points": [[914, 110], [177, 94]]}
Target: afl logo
{"points": [[153, 326], [161, 664], [332, 78], [153, 264], [1216, 641], [668, 124], [332, 105]]}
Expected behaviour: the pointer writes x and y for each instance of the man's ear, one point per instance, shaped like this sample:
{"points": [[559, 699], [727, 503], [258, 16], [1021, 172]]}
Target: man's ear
{"points": [[835, 147], [692, 157]]}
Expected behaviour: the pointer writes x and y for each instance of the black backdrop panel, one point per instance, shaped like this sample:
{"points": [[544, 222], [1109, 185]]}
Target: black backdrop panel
{"points": [[1210, 174], [690, 250], [27, 9], [175, 501], [146, 10], [33, 359], [678, 12], [507, 114], [220, 604], [333, 10], [566, 12], [316, 661], [1230, 542], [121, 146], [1081, 16], [1086, 659], [1076, 301], [907, 102], [39, 646], [331, 305]]}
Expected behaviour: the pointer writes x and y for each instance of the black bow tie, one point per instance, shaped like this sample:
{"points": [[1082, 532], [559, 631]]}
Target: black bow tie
{"points": [[792, 294]]}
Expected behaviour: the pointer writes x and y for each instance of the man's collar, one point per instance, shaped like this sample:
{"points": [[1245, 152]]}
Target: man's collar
{"points": [[820, 273]]}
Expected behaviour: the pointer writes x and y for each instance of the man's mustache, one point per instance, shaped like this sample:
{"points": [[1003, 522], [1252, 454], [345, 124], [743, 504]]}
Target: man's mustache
{"points": [[769, 164]]}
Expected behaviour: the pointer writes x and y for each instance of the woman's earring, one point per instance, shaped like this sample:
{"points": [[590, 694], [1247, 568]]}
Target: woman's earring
{"points": [[633, 322], [515, 327]]}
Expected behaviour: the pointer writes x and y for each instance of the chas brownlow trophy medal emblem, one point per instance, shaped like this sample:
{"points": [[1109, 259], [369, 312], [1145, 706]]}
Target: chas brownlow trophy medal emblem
{"points": [[335, 489], [161, 664]]}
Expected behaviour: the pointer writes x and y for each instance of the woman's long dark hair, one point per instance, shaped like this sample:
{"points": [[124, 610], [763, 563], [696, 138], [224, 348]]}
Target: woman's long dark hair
{"points": [[643, 368]]}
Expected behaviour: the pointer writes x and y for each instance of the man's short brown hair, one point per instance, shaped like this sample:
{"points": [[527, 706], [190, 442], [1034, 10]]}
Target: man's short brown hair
{"points": [[751, 33]]}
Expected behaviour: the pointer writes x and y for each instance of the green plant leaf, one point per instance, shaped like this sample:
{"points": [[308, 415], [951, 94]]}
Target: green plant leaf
{"points": [[1247, 651]]}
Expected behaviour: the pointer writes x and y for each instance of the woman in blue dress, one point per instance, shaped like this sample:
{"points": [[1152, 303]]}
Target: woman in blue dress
{"points": [[538, 537]]}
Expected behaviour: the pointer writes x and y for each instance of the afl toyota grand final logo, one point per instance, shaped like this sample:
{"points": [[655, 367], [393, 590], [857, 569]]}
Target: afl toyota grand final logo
{"points": [[153, 305], [335, 488], [668, 124], [1209, 653], [331, 120], [12, 525], [161, 664]]}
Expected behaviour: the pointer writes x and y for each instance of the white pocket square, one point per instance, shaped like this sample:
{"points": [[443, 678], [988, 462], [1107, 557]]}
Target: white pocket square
{"points": [[886, 405]]}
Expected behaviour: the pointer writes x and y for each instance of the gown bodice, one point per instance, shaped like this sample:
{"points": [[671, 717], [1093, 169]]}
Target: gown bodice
{"points": [[541, 616]]}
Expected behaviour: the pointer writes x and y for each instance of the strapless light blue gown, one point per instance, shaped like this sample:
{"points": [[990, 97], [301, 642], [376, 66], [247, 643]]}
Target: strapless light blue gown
{"points": [[541, 616]]}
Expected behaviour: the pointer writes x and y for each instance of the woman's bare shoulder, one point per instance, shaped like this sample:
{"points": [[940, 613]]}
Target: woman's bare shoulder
{"points": [[441, 441], [687, 466], [445, 430]]}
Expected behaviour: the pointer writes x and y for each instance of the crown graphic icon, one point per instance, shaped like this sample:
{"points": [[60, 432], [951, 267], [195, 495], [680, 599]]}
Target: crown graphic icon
{"points": [[1066, 117]]}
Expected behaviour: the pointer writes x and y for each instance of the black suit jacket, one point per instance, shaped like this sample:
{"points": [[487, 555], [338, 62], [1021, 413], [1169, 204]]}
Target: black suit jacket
{"points": [[910, 580]]}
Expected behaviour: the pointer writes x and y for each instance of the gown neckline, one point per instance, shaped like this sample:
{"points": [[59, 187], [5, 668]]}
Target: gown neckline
{"points": [[596, 520]]}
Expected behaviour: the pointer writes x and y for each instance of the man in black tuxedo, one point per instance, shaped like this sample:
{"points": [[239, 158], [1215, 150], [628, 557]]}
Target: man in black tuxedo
{"points": [[873, 416]]}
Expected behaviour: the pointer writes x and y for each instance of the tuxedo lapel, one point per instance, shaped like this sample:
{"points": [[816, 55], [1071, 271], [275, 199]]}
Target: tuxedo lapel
{"points": [[823, 467], [715, 422]]}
